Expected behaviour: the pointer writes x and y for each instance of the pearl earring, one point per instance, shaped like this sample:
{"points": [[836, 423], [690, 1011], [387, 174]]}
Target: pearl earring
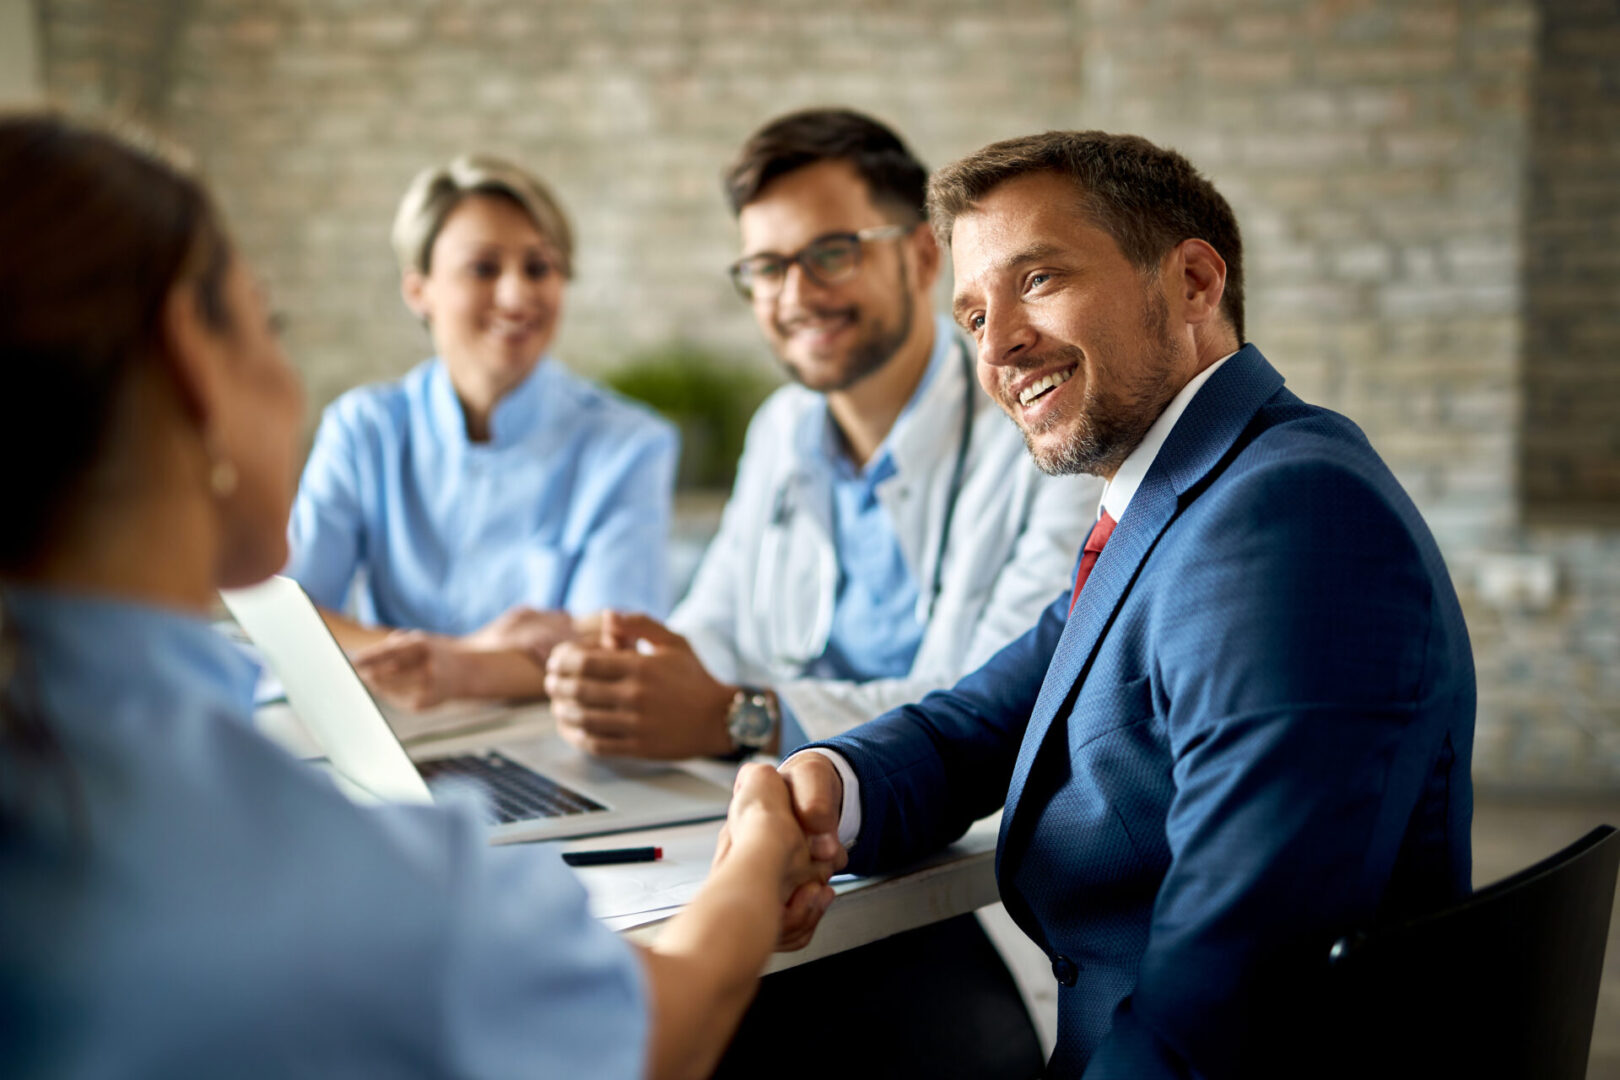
{"points": [[222, 478]]}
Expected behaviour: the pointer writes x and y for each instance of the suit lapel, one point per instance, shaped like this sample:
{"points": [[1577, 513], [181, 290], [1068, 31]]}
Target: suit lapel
{"points": [[1212, 423], [1151, 510]]}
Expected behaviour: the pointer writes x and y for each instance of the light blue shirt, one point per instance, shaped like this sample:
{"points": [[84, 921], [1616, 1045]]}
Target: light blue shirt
{"points": [[875, 630], [566, 507], [178, 897]]}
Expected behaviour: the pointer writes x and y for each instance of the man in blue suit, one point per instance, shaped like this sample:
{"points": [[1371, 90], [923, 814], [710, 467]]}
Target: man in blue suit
{"points": [[1248, 729]]}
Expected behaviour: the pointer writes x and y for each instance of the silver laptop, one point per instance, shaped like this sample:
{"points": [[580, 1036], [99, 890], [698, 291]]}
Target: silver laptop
{"points": [[539, 788]]}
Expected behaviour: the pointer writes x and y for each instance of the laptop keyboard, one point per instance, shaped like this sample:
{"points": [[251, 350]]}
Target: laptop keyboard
{"points": [[515, 793]]}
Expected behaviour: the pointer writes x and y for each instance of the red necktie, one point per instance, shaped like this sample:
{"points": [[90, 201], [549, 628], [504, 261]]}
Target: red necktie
{"points": [[1100, 533]]}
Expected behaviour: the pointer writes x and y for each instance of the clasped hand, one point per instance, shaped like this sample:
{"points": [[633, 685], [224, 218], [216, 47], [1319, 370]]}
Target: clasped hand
{"points": [[503, 659], [770, 810], [636, 689]]}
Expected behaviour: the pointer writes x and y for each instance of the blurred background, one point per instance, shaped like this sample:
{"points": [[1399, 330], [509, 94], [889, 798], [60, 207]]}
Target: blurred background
{"points": [[1430, 191]]}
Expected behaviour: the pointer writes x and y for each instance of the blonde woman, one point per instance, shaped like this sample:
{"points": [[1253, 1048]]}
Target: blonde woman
{"points": [[449, 523]]}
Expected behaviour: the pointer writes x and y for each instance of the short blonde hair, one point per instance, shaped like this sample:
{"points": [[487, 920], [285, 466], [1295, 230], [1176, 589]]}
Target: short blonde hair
{"points": [[438, 190]]}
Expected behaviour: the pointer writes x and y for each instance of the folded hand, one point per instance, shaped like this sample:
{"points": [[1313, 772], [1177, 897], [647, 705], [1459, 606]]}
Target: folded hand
{"points": [[638, 690], [525, 629], [414, 669]]}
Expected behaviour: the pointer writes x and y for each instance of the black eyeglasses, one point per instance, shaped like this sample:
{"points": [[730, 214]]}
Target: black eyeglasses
{"points": [[826, 260]]}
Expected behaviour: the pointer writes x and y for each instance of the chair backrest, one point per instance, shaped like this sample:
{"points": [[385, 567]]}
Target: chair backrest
{"points": [[1502, 984]]}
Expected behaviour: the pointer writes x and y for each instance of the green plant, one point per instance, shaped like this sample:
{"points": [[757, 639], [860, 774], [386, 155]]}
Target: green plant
{"points": [[710, 399]]}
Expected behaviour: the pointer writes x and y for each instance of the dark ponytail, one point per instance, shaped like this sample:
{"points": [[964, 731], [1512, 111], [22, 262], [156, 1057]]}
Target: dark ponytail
{"points": [[93, 236]]}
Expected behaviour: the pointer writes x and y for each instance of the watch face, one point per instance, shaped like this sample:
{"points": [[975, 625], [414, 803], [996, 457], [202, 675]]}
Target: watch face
{"points": [[750, 722]]}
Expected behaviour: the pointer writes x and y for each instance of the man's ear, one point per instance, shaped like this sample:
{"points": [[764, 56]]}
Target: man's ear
{"points": [[1201, 274], [413, 288], [192, 353], [926, 251]]}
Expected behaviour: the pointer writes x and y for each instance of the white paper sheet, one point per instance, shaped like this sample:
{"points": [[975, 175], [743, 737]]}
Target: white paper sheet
{"points": [[643, 892]]}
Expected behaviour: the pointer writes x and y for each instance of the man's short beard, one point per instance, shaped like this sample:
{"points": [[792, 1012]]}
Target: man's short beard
{"points": [[872, 352], [1111, 426]]}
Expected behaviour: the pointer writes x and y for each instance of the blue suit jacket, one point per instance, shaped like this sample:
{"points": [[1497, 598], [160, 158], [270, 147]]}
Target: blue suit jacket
{"points": [[1252, 734]]}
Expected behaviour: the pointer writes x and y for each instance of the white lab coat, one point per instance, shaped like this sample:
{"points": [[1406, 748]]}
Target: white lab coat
{"points": [[760, 608]]}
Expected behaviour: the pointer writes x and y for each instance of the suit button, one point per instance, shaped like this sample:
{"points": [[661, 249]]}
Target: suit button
{"points": [[1066, 970]]}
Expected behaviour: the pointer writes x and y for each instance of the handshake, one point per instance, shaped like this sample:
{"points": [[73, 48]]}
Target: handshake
{"points": [[783, 824]]}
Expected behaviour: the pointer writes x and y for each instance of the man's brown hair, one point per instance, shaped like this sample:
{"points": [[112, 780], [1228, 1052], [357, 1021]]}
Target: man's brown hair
{"points": [[895, 180], [1148, 199]]}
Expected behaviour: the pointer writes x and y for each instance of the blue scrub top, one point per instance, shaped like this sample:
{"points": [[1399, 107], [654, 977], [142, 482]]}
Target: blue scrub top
{"points": [[178, 897], [566, 507]]}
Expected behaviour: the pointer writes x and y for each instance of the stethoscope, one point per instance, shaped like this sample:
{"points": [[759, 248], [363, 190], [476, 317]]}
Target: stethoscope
{"points": [[782, 510]]}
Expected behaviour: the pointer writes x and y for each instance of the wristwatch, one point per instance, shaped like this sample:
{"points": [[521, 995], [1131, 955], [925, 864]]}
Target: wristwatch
{"points": [[753, 718]]}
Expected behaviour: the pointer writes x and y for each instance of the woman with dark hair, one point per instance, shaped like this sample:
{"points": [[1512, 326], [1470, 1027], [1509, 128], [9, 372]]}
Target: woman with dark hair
{"points": [[178, 897]]}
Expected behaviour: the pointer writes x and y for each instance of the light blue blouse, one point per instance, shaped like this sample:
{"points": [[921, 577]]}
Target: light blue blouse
{"points": [[178, 897], [566, 507]]}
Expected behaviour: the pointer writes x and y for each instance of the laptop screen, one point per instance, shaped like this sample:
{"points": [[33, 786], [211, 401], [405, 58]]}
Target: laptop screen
{"points": [[324, 690]]}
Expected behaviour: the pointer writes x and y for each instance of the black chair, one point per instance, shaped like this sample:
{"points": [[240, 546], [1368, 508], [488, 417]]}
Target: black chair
{"points": [[936, 1002], [1503, 984]]}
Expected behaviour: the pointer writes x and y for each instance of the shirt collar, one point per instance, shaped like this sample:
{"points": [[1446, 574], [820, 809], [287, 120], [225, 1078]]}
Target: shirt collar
{"points": [[117, 650], [528, 406], [1119, 491]]}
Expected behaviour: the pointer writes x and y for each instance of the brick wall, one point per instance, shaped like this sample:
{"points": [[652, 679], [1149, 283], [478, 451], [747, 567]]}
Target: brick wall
{"points": [[1408, 174], [1572, 256], [312, 115], [1373, 154]]}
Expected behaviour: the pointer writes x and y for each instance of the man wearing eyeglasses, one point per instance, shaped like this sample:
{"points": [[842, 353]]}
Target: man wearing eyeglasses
{"points": [[887, 532]]}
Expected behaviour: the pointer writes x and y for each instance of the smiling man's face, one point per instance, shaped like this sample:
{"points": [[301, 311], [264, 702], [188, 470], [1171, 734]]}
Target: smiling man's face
{"points": [[1075, 342], [829, 337]]}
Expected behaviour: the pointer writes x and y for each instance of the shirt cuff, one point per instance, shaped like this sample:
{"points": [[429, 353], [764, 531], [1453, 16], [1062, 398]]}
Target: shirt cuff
{"points": [[849, 815]]}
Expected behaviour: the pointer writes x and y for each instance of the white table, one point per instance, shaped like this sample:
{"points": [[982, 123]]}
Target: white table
{"points": [[958, 880], [639, 898]]}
